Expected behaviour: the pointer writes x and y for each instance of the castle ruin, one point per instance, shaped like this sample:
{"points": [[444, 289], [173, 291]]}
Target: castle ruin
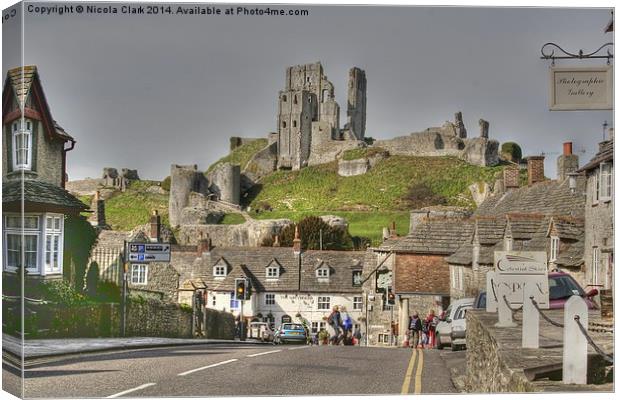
{"points": [[309, 116]]}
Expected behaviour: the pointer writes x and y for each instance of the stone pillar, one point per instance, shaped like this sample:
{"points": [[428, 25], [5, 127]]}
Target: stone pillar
{"points": [[460, 126], [226, 183], [535, 169], [403, 319], [484, 128], [575, 353], [182, 182], [356, 104], [567, 162]]}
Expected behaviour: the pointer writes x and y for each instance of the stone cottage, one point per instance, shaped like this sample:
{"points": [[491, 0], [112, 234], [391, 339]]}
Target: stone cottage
{"points": [[414, 270], [599, 216], [34, 153]]}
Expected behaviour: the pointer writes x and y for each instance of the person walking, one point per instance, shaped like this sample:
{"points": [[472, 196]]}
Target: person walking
{"points": [[415, 329], [335, 321], [347, 322], [431, 324], [357, 334]]}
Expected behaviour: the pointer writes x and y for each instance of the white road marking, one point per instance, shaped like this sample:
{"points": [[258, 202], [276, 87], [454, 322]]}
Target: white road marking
{"points": [[266, 352], [207, 366], [130, 390], [299, 348]]}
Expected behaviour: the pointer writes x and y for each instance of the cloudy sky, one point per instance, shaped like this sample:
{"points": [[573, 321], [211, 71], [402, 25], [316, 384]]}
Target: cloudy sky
{"points": [[148, 91]]}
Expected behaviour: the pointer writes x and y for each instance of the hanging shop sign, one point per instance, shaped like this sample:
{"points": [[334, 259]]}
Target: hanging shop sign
{"points": [[588, 88]]}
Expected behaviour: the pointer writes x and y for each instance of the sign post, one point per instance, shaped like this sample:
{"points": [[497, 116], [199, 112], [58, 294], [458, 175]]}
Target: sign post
{"points": [[514, 271]]}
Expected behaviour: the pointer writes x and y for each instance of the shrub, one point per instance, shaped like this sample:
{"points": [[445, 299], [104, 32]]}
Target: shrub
{"points": [[421, 195], [165, 184], [61, 292], [511, 151]]}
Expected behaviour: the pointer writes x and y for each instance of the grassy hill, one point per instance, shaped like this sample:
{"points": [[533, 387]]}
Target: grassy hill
{"points": [[241, 155], [371, 201]]}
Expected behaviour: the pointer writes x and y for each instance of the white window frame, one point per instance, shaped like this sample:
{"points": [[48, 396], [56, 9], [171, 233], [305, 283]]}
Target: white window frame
{"points": [[554, 248], [22, 127], [323, 273], [315, 326], [323, 302], [54, 232], [139, 271], [597, 186], [219, 270], [596, 261], [358, 302], [270, 299], [272, 272], [606, 182]]}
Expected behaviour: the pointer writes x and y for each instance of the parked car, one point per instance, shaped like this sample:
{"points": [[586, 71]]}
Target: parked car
{"points": [[288, 333], [444, 327], [561, 287], [261, 331], [458, 329]]}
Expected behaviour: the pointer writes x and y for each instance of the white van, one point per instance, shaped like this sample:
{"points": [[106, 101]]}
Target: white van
{"points": [[261, 331], [453, 312]]}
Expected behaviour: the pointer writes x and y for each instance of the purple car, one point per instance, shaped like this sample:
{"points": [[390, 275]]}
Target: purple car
{"points": [[561, 287]]}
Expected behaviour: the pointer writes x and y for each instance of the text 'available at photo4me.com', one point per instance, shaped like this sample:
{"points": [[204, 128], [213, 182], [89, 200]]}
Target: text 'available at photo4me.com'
{"points": [[152, 9]]}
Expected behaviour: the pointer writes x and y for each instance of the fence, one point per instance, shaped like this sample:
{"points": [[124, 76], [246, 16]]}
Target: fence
{"points": [[576, 336]]}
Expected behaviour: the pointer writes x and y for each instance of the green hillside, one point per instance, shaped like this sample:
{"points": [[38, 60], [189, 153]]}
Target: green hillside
{"points": [[131, 208], [241, 155]]}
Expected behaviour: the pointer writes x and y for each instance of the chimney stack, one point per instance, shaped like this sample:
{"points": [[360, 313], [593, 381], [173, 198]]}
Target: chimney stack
{"points": [[204, 246], [535, 169], [567, 162], [155, 231], [297, 241], [511, 177], [98, 217]]}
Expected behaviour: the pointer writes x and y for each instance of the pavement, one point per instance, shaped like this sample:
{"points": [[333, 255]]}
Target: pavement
{"points": [[227, 369], [40, 348]]}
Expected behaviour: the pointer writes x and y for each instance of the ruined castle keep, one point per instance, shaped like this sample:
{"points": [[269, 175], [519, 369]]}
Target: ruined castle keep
{"points": [[309, 116]]}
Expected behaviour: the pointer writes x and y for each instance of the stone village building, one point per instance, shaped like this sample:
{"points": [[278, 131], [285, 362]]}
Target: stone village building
{"points": [[599, 216], [34, 150]]}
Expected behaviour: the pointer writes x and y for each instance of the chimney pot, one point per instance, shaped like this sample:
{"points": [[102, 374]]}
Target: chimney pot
{"points": [[297, 241], [568, 148]]}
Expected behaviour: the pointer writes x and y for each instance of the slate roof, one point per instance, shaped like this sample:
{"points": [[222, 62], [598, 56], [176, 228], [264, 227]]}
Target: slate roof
{"points": [[550, 197], [432, 236], [489, 231], [605, 153], [462, 256], [251, 262], [341, 265], [523, 227], [40, 192]]}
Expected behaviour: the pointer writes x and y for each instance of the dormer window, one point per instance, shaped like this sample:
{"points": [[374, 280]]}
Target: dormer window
{"points": [[357, 278], [273, 273], [322, 272], [220, 270], [22, 144]]}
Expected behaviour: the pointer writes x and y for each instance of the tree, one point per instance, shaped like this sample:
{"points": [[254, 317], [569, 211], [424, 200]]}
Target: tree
{"points": [[511, 152], [313, 230]]}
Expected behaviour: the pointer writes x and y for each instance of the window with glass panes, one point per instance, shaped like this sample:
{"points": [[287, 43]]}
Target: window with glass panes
{"points": [[22, 144], [323, 303], [18, 238], [357, 303], [555, 247], [273, 272], [234, 303], [315, 327], [53, 243], [606, 181], [270, 299], [139, 274]]}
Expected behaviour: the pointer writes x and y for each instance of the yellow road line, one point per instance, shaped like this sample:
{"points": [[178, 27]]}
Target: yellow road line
{"points": [[418, 374], [407, 381]]}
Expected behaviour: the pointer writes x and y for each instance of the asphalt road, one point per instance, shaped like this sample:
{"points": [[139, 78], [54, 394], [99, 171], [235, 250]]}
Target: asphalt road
{"points": [[229, 370]]}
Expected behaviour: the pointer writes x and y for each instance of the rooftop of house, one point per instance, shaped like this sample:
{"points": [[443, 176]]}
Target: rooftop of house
{"points": [[37, 192], [605, 153], [431, 236]]}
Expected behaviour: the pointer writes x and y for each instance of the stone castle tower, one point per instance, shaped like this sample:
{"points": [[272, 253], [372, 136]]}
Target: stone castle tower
{"points": [[308, 112]]}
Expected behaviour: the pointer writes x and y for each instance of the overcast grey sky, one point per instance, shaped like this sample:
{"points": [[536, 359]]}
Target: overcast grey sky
{"points": [[148, 91]]}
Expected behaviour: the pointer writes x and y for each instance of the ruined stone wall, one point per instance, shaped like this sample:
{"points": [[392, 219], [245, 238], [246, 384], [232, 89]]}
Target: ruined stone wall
{"points": [[427, 143], [481, 151], [226, 183], [236, 141], [251, 233], [356, 104], [353, 167], [330, 150], [182, 183]]}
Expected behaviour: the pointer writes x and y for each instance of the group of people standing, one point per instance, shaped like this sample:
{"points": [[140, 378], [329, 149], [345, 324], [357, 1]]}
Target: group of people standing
{"points": [[342, 326], [422, 331]]}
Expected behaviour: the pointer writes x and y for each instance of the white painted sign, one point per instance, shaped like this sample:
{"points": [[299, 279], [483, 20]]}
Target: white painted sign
{"points": [[581, 88], [514, 270]]}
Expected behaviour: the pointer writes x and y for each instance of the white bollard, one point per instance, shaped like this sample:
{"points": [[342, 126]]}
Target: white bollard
{"points": [[504, 314], [575, 354], [531, 320]]}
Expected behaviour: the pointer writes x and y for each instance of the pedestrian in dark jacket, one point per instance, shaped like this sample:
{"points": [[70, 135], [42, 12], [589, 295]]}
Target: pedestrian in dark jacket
{"points": [[335, 321], [415, 328]]}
